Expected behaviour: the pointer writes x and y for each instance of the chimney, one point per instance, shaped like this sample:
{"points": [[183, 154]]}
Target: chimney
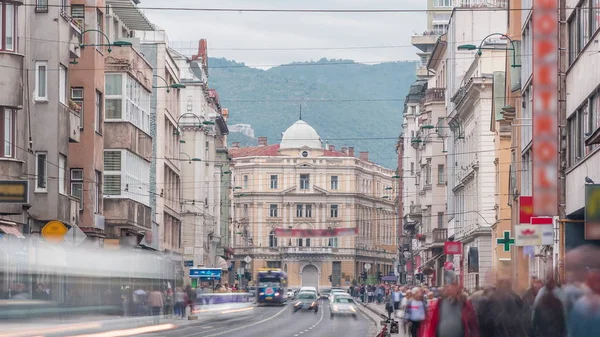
{"points": [[351, 151], [262, 141], [344, 149], [364, 156], [235, 145], [331, 147]]}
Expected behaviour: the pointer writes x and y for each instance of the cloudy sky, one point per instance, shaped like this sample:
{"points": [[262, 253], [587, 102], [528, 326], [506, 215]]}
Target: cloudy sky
{"points": [[245, 30]]}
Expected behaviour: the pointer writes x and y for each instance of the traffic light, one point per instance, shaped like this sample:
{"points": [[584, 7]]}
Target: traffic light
{"points": [[364, 276], [330, 279], [378, 276], [248, 276]]}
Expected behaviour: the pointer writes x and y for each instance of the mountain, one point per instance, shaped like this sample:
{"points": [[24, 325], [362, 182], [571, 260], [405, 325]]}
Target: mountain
{"points": [[348, 103]]}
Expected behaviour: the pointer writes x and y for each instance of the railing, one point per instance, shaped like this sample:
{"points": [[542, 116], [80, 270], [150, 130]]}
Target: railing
{"points": [[440, 235], [242, 251], [435, 95]]}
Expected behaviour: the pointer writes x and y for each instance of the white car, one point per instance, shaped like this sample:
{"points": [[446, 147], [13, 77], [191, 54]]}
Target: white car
{"points": [[343, 305], [290, 295], [335, 292]]}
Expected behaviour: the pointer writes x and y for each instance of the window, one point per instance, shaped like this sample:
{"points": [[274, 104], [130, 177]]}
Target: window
{"points": [[334, 182], [412, 169], [99, 27], [333, 211], [98, 113], [7, 128], [41, 6], [112, 172], [441, 174], [62, 84], [572, 27], [77, 185], [304, 181], [299, 210], [428, 172], [440, 220], [77, 98], [442, 3], [308, 211], [245, 211], [245, 179], [333, 242], [62, 173], [113, 90], [78, 15], [583, 16], [273, 210], [274, 181], [272, 239], [41, 81], [98, 192], [41, 173], [8, 28]]}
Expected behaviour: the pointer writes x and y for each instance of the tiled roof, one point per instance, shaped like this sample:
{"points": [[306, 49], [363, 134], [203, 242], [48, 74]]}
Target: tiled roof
{"points": [[255, 151], [271, 151]]}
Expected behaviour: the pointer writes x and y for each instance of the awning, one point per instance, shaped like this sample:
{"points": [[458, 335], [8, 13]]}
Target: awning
{"points": [[131, 15], [221, 263], [433, 259], [389, 278], [10, 229]]}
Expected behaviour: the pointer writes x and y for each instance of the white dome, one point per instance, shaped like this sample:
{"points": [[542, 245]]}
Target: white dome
{"points": [[299, 135]]}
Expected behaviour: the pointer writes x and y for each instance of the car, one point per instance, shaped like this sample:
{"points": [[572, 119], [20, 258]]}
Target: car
{"points": [[332, 297], [307, 300], [343, 305], [336, 291], [325, 293], [290, 294]]}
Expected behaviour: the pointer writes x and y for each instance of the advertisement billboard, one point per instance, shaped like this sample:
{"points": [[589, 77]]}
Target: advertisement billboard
{"points": [[592, 212]]}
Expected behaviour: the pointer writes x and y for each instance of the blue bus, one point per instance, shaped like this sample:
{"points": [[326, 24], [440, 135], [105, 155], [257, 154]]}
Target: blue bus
{"points": [[271, 286]]}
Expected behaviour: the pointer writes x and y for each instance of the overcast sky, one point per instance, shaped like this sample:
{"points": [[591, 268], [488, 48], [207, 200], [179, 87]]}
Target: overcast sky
{"points": [[293, 30]]}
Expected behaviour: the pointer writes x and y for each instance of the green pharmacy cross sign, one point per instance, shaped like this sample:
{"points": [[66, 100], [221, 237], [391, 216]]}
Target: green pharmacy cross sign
{"points": [[506, 241]]}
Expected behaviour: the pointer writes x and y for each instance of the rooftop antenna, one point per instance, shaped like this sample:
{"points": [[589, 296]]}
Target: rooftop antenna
{"points": [[300, 111]]}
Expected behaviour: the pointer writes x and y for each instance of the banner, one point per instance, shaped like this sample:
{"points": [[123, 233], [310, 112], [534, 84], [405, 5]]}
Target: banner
{"points": [[592, 212], [525, 209], [315, 233], [545, 107]]}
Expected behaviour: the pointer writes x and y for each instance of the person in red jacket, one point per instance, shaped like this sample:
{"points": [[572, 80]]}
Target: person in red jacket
{"points": [[453, 315]]}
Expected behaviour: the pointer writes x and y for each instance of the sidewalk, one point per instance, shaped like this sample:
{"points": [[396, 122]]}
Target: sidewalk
{"points": [[379, 309]]}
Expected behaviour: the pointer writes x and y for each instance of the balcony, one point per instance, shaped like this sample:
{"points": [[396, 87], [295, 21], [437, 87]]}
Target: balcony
{"points": [[422, 72], [127, 60], [435, 95], [415, 211], [440, 235], [127, 214], [309, 252], [425, 41]]}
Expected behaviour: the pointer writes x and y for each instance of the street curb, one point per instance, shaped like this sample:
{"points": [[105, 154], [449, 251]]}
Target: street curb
{"points": [[374, 327]]}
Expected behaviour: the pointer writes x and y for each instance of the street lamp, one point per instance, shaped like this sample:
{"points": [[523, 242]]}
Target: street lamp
{"points": [[479, 48], [190, 158], [109, 44], [169, 86]]}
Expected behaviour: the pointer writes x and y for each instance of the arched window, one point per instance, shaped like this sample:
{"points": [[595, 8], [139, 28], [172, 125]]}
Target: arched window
{"points": [[272, 239]]}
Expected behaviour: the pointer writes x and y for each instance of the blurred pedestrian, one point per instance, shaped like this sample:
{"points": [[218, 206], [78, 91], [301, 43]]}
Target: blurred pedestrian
{"points": [[503, 313], [156, 303], [549, 312], [180, 299], [416, 311], [452, 315], [584, 320]]}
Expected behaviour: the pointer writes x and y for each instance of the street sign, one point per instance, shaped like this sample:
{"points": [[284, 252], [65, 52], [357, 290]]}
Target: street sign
{"points": [[247, 259], [188, 263], [14, 191], [75, 236], [506, 241], [448, 265], [367, 266], [54, 231]]}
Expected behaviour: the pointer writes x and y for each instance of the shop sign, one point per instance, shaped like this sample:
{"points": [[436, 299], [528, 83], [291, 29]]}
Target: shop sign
{"points": [[545, 107], [452, 248], [14, 191], [534, 235], [525, 209], [592, 212]]}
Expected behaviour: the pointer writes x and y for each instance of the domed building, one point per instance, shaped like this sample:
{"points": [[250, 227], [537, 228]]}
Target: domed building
{"points": [[319, 213]]}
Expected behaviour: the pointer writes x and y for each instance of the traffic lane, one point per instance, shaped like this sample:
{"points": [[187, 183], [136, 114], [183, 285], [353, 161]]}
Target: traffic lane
{"points": [[346, 326], [208, 326], [287, 323]]}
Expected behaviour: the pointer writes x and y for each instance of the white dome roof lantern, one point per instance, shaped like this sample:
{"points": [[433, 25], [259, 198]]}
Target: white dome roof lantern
{"points": [[300, 135]]}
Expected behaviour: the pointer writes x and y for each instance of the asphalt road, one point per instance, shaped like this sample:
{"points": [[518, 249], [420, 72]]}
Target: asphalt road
{"points": [[273, 321]]}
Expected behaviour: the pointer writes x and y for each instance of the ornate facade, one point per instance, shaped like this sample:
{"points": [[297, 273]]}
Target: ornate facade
{"points": [[300, 184]]}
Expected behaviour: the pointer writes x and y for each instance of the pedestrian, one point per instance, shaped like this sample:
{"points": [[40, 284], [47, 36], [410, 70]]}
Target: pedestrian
{"points": [[191, 295], [584, 320], [503, 313], [180, 300], [453, 315], [396, 297], [416, 311], [156, 303], [549, 313]]}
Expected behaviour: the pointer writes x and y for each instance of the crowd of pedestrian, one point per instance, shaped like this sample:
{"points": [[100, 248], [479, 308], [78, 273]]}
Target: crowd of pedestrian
{"points": [[546, 309]]}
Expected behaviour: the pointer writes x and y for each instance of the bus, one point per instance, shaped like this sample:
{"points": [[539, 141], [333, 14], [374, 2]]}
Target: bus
{"points": [[271, 286]]}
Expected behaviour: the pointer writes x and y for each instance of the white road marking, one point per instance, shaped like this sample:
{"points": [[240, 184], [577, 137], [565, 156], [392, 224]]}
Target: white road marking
{"points": [[245, 326], [319, 321]]}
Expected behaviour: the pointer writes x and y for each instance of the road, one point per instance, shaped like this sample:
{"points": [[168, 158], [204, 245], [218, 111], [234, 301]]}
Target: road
{"points": [[273, 321]]}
